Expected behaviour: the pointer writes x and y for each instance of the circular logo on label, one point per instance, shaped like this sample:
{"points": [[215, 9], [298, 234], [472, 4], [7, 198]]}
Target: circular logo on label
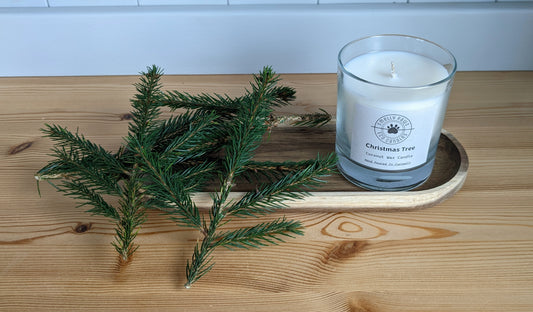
{"points": [[392, 129]]}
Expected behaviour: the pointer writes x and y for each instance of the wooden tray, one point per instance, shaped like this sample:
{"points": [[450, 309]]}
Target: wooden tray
{"points": [[447, 177]]}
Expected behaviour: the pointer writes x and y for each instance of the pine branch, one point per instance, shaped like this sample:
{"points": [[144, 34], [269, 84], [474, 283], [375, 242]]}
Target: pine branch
{"points": [[194, 142], [132, 204], [270, 197], [195, 178], [78, 190], [265, 90], [164, 162], [146, 104], [201, 262], [253, 171], [172, 132], [249, 128], [169, 193], [222, 104], [187, 136], [132, 215], [260, 235], [78, 148], [244, 136], [89, 171], [269, 170], [93, 174]]}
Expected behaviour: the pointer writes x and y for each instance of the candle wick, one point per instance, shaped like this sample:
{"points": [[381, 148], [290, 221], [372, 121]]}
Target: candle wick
{"points": [[393, 73]]}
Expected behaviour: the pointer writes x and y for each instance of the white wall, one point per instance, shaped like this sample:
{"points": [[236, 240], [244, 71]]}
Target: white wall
{"points": [[212, 39]]}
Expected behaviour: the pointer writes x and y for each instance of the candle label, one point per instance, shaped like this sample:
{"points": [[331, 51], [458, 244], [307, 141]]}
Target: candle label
{"points": [[392, 129], [391, 140]]}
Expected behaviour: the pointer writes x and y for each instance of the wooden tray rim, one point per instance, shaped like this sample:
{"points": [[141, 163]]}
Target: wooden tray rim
{"points": [[340, 201]]}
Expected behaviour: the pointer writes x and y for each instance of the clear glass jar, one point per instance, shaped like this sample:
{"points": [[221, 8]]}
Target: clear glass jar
{"points": [[392, 96]]}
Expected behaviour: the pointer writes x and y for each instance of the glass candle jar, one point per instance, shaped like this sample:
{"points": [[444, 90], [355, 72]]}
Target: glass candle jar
{"points": [[392, 96]]}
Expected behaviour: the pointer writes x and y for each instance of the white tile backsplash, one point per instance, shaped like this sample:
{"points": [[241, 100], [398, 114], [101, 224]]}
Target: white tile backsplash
{"points": [[182, 2], [22, 3], [198, 39], [359, 1], [450, 1], [77, 3], [239, 2]]}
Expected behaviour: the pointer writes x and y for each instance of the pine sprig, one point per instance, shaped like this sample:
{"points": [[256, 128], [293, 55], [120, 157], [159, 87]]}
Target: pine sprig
{"points": [[146, 103], [244, 136], [254, 171], [224, 105], [163, 163], [79, 150], [227, 106], [201, 262], [193, 142], [270, 170], [174, 131], [89, 171], [88, 197], [132, 215], [270, 197], [168, 191], [260, 235], [84, 169]]}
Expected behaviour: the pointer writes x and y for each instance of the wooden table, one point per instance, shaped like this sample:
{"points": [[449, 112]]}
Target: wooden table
{"points": [[474, 252]]}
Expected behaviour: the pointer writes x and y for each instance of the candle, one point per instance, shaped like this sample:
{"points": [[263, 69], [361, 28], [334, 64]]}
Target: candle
{"points": [[391, 105], [393, 143]]}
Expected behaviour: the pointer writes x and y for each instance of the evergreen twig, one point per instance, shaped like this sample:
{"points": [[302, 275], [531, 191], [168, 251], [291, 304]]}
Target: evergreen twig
{"points": [[89, 171], [164, 162], [245, 135]]}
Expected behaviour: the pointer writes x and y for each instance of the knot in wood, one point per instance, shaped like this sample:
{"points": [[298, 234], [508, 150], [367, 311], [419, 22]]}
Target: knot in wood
{"points": [[346, 250], [82, 227], [19, 148], [126, 116]]}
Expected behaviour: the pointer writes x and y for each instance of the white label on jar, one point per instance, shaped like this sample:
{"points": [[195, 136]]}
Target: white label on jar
{"points": [[392, 140]]}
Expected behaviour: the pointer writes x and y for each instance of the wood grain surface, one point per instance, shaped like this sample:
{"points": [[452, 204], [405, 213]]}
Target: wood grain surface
{"points": [[473, 252]]}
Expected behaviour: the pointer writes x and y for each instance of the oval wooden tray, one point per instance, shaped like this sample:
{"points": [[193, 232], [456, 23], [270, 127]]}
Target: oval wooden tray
{"points": [[447, 177]]}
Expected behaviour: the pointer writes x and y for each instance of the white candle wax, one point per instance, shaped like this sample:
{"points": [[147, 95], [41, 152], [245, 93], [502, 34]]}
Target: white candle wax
{"points": [[391, 114], [396, 69]]}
